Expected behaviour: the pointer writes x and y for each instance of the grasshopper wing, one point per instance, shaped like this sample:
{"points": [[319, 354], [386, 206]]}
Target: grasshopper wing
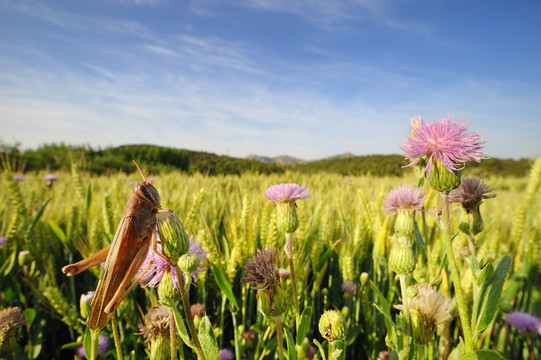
{"points": [[126, 255]]}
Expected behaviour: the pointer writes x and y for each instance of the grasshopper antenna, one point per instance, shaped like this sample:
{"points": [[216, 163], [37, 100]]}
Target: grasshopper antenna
{"points": [[140, 172]]}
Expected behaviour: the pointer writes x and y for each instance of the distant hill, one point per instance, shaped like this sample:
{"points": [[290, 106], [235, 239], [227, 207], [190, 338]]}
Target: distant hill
{"points": [[279, 160], [165, 159], [290, 160]]}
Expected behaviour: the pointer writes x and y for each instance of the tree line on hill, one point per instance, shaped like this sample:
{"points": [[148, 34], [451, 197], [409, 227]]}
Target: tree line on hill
{"points": [[156, 159]]}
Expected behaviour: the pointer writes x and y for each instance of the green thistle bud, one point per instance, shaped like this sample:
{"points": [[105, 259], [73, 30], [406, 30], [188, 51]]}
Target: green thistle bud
{"points": [[364, 278], [160, 347], [273, 301], [332, 325], [423, 330], [173, 235], [405, 224], [84, 303], [443, 180], [471, 222], [286, 217], [402, 259], [156, 333], [189, 263], [166, 290]]}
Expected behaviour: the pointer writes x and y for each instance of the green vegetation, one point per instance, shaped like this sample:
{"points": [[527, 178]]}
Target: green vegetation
{"points": [[165, 159]]}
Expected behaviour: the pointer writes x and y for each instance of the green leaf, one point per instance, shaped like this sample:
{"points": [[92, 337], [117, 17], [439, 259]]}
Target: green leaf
{"points": [[321, 349], [490, 294], [225, 286], [179, 322], [58, 231], [30, 315], [36, 337], [304, 324], [207, 340], [87, 342], [384, 308], [291, 351], [337, 350], [482, 355], [36, 218], [10, 261], [457, 352]]}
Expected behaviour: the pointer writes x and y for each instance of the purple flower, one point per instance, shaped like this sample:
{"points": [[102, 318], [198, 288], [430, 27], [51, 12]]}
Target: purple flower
{"points": [[50, 177], [3, 240], [349, 286], [153, 276], [404, 198], [132, 182], [287, 193], [471, 193], [226, 354], [19, 178], [446, 141], [103, 346], [522, 321]]}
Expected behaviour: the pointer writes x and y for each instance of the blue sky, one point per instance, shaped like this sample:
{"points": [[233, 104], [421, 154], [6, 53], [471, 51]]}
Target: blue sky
{"points": [[309, 79]]}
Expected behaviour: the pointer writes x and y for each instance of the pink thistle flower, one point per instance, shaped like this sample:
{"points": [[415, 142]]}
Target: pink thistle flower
{"points": [[19, 178], [50, 177], [153, 276], [522, 321], [349, 286], [286, 193], [446, 141], [226, 354], [471, 193], [404, 198], [3, 240]]}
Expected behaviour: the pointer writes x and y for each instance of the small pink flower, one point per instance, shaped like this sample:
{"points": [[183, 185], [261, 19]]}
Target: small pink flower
{"points": [[404, 197], [226, 354], [522, 321], [19, 178], [446, 141], [153, 276], [50, 177], [287, 192]]}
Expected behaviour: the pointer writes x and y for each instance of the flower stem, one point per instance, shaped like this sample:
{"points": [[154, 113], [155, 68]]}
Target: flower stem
{"points": [[405, 301], [462, 309], [173, 335], [278, 321], [421, 352], [116, 338], [289, 252], [189, 318]]}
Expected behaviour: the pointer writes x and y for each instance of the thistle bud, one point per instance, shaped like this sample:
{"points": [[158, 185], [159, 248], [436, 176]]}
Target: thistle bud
{"points": [[422, 332], [273, 301], [405, 224], [286, 217], [156, 332], [443, 180], [471, 222], [85, 302], [188, 263], [166, 289], [173, 235], [364, 278], [332, 325], [402, 259]]}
